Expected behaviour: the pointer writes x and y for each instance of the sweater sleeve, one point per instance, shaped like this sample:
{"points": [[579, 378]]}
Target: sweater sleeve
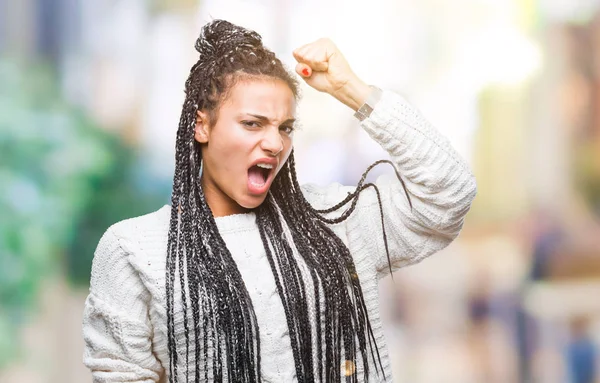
{"points": [[116, 328], [439, 183]]}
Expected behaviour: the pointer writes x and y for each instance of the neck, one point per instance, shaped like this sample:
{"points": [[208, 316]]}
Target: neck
{"points": [[220, 204]]}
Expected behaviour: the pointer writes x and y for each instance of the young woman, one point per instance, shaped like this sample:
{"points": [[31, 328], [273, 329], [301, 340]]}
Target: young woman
{"points": [[247, 276]]}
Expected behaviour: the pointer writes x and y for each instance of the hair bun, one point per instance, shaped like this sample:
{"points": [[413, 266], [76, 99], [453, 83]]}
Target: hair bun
{"points": [[220, 37]]}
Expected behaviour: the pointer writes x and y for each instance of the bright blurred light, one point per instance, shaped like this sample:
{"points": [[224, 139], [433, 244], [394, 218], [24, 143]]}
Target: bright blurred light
{"points": [[500, 55]]}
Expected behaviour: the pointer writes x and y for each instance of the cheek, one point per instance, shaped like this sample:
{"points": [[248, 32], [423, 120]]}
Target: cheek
{"points": [[286, 153], [225, 138], [229, 156], [288, 145], [229, 150]]}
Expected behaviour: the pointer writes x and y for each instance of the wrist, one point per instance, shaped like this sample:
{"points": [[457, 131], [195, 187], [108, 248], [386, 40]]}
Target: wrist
{"points": [[354, 93], [366, 109]]}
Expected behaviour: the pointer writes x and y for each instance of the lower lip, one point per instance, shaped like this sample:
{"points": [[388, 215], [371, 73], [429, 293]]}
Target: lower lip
{"points": [[259, 189]]}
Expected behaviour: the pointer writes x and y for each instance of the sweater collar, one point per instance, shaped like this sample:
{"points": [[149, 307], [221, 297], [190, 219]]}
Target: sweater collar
{"points": [[227, 224]]}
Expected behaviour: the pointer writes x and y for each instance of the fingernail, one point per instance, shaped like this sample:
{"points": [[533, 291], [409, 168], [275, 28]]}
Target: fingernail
{"points": [[305, 72]]}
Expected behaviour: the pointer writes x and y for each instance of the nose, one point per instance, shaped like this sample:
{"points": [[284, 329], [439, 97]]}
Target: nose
{"points": [[272, 142]]}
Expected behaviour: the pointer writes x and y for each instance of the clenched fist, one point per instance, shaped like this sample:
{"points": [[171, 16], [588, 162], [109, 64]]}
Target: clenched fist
{"points": [[323, 67]]}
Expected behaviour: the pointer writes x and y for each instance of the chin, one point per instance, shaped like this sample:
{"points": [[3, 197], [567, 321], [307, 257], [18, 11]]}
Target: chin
{"points": [[252, 202]]}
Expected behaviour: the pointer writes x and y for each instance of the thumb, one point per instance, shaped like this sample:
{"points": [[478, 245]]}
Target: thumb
{"points": [[303, 70]]}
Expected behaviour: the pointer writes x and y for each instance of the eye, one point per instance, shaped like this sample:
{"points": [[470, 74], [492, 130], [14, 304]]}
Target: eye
{"points": [[251, 124], [287, 129]]}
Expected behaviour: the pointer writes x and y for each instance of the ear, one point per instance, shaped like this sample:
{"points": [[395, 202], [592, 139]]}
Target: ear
{"points": [[201, 131]]}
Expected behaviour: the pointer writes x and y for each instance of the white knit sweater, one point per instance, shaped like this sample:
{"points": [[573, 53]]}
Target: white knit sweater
{"points": [[125, 322]]}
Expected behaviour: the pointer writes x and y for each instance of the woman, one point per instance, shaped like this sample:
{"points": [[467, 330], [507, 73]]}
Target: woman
{"points": [[247, 276]]}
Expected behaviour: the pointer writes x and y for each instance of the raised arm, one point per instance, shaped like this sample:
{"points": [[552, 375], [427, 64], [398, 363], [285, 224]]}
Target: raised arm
{"points": [[438, 182]]}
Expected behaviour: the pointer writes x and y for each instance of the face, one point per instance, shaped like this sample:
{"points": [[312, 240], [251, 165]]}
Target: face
{"points": [[247, 146]]}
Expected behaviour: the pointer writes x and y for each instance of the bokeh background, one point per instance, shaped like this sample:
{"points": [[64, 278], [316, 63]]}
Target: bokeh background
{"points": [[90, 95]]}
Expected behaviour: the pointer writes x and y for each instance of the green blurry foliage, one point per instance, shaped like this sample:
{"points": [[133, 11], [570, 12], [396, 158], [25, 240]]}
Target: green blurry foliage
{"points": [[63, 181]]}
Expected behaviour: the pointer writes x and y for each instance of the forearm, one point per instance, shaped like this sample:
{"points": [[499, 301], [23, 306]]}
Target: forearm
{"points": [[438, 180], [353, 94]]}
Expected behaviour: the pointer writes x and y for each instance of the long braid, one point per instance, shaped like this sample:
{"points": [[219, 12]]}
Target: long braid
{"points": [[314, 272], [351, 322]]}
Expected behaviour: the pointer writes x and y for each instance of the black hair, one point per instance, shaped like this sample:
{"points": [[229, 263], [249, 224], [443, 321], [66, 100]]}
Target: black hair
{"points": [[213, 294]]}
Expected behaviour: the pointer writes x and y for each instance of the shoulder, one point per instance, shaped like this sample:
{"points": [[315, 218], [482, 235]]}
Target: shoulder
{"points": [[322, 197], [157, 220], [124, 235], [126, 242]]}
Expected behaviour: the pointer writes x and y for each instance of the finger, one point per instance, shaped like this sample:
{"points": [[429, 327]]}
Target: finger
{"points": [[303, 70], [317, 65], [313, 56], [302, 50], [298, 52]]}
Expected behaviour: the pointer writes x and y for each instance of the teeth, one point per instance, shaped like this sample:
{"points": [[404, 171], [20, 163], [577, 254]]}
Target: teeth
{"points": [[265, 166]]}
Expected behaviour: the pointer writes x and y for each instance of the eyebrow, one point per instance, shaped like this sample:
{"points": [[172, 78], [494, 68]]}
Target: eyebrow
{"points": [[264, 118]]}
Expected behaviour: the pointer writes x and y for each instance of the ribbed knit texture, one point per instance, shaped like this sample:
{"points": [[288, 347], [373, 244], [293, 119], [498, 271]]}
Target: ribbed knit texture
{"points": [[125, 322]]}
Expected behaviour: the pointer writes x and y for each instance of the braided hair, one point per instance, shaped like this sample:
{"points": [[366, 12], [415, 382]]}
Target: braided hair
{"points": [[307, 259]]}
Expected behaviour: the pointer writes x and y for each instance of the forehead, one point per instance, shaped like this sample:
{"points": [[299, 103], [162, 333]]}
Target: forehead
{"points": [[272, 98]]}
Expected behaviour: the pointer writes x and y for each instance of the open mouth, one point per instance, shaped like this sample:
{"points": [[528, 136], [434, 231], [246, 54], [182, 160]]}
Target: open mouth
{"points": [[259, 174]]}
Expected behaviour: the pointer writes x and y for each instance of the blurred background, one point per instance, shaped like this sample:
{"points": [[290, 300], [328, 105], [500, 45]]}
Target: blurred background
{"points": [[90, 96]]}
